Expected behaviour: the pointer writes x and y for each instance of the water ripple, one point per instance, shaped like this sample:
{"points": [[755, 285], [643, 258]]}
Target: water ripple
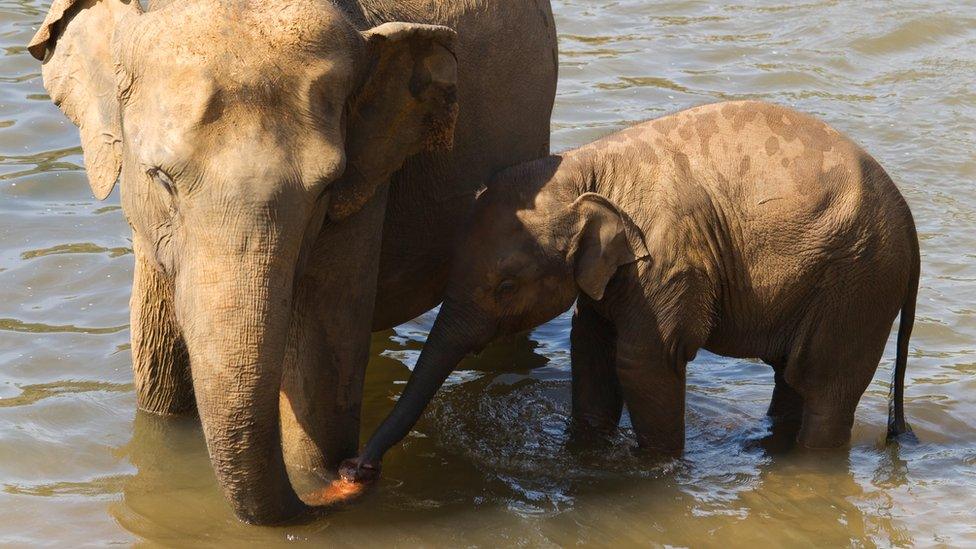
{"points": [[15, 325], [31, 394], [102, 486], [76, 248]]}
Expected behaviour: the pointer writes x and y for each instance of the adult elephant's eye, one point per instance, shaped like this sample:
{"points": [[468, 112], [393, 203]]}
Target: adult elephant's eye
{"points": [[162, 179]]}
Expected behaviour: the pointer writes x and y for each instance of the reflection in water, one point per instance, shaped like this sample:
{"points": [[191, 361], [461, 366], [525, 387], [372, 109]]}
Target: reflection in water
{"points": [[170, 496], [815, 493], [44, 162], [77, 248], [31, 394], [14, 325], [491, 463]]}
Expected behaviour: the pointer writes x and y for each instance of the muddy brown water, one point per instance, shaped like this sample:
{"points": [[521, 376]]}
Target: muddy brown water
{"points": [[488, 465]]}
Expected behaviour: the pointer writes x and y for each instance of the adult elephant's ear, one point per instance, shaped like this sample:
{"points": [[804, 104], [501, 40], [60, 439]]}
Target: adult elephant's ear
{"points": [[75, 44], [407, 104], [605, 239]]}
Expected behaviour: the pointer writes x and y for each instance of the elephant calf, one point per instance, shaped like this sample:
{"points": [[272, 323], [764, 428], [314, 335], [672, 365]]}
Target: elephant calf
{"points": [[744, 228]]}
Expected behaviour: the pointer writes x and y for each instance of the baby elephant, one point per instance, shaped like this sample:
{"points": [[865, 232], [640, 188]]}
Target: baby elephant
{"points": [[744, 228]]}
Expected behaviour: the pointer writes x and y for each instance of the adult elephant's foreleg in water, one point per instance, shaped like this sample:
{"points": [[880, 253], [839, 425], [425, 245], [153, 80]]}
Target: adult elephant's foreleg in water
{"points": [[254, 142]]}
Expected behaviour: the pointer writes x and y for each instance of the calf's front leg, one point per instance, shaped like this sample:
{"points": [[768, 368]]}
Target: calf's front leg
{"points": [[597, 401], [653, 387]]}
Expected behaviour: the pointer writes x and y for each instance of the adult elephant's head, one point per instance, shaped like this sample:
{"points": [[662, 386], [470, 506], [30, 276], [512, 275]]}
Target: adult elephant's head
{"points": [[239, 127]]}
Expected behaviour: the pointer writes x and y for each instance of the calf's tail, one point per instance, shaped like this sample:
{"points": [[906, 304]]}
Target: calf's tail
{"points": [[898, 428]]}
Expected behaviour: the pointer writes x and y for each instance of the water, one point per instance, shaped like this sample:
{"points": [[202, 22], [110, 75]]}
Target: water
{"points": [[488, 463]]}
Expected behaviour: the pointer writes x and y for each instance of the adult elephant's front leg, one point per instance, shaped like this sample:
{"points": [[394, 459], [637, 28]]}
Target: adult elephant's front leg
{"points": [[160, 364], [328, 346]]}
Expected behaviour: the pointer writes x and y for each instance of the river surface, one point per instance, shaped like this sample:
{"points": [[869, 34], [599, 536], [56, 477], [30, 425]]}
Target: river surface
{"points": [[488, 464]]}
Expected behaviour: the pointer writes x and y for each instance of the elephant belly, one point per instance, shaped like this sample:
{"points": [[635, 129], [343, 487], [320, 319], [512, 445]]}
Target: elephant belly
{"points": [[746, 345]]}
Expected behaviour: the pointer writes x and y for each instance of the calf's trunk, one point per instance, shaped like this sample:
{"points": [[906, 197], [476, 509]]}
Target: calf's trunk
{"points": [[460, 328]]}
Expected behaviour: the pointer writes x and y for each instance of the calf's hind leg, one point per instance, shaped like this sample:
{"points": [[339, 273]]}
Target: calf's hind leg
{"points": [[786, 406], [785, 412], [831, 368]]}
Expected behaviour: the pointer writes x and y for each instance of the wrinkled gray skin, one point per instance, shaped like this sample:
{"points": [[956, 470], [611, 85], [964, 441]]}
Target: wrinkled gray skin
{"points": [[262, 145], [744, 228]]}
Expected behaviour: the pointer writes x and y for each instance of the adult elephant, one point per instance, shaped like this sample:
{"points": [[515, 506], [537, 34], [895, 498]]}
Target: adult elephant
{"points": [[255, 140]]}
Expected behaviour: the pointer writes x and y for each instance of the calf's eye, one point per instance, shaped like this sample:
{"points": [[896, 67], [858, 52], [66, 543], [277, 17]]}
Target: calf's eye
{"points": [[507, 287]]}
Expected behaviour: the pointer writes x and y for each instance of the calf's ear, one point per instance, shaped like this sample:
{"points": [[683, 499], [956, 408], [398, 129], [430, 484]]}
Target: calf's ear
{"points": [[605, 239], [75, 44]]}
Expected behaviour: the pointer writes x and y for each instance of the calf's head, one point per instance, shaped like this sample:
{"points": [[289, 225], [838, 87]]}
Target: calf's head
{"points": [[535, 242]]}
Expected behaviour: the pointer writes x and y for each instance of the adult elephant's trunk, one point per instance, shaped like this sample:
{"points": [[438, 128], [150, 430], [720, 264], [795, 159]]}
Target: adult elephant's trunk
{"points": [[460, 328], [235, 310]]}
